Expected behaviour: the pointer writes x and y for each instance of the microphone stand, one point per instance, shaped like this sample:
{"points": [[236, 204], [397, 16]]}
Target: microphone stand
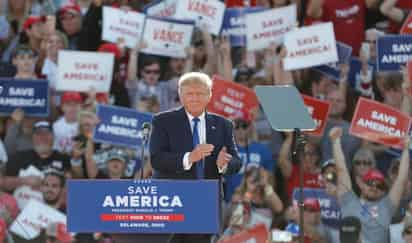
{"points": [[299, 143], [142, 152]]}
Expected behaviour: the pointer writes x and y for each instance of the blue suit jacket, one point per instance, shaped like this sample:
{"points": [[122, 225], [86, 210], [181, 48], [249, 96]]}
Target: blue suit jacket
{"points": [[171, 138]]}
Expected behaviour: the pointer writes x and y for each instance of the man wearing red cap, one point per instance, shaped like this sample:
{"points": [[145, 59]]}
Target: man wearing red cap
{"points": [[376, 204], [66, 127]]}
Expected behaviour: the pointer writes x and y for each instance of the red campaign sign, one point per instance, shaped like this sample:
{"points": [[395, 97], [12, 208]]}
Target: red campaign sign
{"points": [[407, 26], [319, 111], [379, 123], [232, 100], [257, 234]]}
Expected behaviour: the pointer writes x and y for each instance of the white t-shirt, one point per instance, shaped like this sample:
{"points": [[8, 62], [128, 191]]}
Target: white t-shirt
{"points": [[3, 154], [50, 70], [63, 134], [396, 233]]}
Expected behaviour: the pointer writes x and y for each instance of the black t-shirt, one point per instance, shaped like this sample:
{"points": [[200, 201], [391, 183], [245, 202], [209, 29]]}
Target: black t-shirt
{"points": [[23, 160]]}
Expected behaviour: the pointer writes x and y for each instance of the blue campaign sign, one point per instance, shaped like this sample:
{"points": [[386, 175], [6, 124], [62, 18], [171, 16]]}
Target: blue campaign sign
{"points": [[32, 96], [148, 206], [330, 210], [354, 69], [393, 51], [332, 70], [234, 24], [120, 126]]}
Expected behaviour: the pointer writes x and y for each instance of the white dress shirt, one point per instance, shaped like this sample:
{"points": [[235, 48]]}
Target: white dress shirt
{"points": [[201, 126], [201, 130]]}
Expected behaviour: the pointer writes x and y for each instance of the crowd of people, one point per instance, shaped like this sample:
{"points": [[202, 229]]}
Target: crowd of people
{"points": [[370, 182]]}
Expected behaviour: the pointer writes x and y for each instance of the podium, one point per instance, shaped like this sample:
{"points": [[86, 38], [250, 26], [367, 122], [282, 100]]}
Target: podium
{"points": [[149, 210]]}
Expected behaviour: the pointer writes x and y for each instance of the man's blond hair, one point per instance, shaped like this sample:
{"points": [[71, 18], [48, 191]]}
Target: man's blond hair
{"points": [[195, 78]]}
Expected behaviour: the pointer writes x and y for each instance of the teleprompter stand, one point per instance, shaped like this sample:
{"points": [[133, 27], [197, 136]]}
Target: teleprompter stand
{"points": [[286, 112]]}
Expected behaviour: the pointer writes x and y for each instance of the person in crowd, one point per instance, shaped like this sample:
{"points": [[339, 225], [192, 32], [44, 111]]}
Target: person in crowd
{"points": [[66, 127], [256, 188], [56, 232], [149, 83], [396, 229], [52, 189], [42, 157], [54, 43], [310, 161], [116, 161], [348, 18], [363, 160], [24, 59], [251, 152], [19, 133], [376, 204]]}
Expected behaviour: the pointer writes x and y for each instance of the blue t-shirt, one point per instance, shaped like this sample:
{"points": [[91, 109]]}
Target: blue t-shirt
{"points": [[259, 154]]}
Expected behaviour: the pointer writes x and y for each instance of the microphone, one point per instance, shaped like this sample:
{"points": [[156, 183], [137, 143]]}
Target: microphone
{"points": [[146, 127]]}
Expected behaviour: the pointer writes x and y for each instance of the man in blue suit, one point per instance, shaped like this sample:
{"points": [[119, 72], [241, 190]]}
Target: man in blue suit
{"points": [[190, 143]]}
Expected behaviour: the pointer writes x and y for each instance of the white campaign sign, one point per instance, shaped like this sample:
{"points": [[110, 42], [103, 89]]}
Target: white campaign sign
{"points": [[165, 8], [25, 194], [81, 71], [310, 46], [35, 217], [266, 27], [203, 12], [167, 38], [121, 24]]}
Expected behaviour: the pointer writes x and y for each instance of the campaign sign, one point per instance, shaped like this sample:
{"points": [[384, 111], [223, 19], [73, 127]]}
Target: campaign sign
{"points": [[393, 51], [256, 234], [32, 96], [120, 126], [149, 206], [120, 24], [310, 46], [379, 123], [232, 100], [332, 70], [329, 207], [354, 69], [82, 70], [208, 13], [319, 110], [34, 218], [407, 26], [24, 194], [167, 37], [234, 24], [161, 8], [266, 27]]}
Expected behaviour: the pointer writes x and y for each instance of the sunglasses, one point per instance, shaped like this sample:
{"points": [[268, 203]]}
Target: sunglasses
{"points": [[362, 162], [310, 153], [154, 71], [376, 184]]}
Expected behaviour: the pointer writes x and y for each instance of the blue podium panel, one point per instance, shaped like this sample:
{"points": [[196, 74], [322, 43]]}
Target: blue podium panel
{"points": [[148, 206]]}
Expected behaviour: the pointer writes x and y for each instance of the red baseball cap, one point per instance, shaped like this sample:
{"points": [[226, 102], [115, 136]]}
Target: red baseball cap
{"points": [[311, 204], [110, 48], [71, 96], [33, 20], [373, 175], [70, 8]]}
